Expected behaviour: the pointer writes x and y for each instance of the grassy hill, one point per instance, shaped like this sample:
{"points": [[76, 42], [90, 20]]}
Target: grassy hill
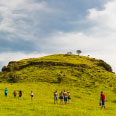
{"points": [[73, 69], [84, 77]]}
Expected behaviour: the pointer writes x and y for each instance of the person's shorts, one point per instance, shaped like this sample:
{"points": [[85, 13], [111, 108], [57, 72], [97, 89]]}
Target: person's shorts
{"points": [[69, 98], [103, 102], [5, 94], [65, 98], [31, 95], [61, 97], [20, 95], [55, 98]]}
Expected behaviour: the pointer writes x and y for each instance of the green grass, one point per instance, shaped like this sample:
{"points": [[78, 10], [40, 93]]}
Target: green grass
{"points": [[84, 77], [76, 70], [85, 102], [62, 58]]}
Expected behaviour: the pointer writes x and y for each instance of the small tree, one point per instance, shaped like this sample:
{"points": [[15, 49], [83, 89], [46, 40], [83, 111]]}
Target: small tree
{"points": [[78, 52], [60, 79], [69, 53]]}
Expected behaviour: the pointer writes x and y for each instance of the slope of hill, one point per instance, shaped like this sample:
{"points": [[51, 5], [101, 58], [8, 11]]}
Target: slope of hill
{"points": [[73, 69]]}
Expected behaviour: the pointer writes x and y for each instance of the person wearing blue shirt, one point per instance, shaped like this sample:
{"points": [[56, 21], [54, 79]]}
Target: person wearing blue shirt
{"points": [[5, 92]]}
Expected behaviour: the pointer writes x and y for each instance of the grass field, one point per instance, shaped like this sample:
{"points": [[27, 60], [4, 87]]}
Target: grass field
{"points": [[84, 77], [85, 101]]}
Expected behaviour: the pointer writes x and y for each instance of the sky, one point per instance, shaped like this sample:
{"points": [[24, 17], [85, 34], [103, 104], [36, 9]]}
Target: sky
{"points": [[36, 28]]}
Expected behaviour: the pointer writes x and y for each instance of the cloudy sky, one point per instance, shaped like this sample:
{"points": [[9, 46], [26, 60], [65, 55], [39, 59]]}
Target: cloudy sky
{"points": [[34, 28]]}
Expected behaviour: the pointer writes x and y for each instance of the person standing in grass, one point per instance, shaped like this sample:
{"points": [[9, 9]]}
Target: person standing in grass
{"points": [[15, 94], [61, 97], [5, 92], [20, 94], [69, 98], [55, 97], [102, 99], [31, 95], [65, 97]]}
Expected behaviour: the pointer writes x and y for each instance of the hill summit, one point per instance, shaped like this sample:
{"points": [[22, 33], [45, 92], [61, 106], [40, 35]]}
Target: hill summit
{"points": [[60, 68]]}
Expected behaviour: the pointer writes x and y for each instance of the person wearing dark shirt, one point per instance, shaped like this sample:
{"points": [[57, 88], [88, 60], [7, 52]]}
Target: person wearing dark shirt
{"points": [[15, 94], [20, 94], [69, 98], [55, 97], [61, 97], [65, 97]]}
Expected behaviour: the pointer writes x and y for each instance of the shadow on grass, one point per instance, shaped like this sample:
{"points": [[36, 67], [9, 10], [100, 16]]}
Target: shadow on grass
{"points": [[114, 101]]}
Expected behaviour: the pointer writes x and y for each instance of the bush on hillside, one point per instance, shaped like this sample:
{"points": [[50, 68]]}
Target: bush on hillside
{"points": [[60, 77], [114, 90], [4, 68], [13, 78], [69, 53], [13, 67], [105, 65]]}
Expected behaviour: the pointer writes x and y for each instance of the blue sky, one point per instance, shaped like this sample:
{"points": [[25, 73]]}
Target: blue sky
{"points": [[34, 28]]}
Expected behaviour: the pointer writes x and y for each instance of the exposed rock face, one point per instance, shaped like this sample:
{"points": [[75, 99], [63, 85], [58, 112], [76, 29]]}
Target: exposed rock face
{"points": [[7, 68], [13, 65]]}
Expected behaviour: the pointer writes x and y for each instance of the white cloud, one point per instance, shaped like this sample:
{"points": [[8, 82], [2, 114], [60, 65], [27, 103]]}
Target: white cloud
{"points": [[98, 41], [105, 18], [18, 17], [16, 56]]}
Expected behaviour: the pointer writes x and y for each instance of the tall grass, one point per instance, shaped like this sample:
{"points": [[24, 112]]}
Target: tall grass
{"points": [[85, 102]]}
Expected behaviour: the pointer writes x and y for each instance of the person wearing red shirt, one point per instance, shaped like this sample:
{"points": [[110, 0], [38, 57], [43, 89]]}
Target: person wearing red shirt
{"points": [[102, 99]]}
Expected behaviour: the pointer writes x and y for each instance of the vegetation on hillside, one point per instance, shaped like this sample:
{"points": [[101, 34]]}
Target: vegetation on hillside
{"points": [[67, 68], [84, 77]]}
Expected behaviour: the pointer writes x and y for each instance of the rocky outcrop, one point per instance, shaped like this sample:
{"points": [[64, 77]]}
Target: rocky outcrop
{"points": [[41, 64], [13, 65]]}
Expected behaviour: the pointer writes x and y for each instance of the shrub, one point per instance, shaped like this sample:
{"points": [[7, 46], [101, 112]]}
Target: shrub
{"points": [[114, 90], [13, 67], [13, 77], [60, 78], [4, 68], [69, 53], [105, 65]]}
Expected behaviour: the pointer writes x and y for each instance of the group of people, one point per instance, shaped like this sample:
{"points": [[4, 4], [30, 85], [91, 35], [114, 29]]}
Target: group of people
{"points": [[19, 93], [63, 96], [15, 94]]}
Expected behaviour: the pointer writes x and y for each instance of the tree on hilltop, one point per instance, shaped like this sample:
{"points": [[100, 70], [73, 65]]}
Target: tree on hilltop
{"points": [[69, 53], [78, 52]]}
